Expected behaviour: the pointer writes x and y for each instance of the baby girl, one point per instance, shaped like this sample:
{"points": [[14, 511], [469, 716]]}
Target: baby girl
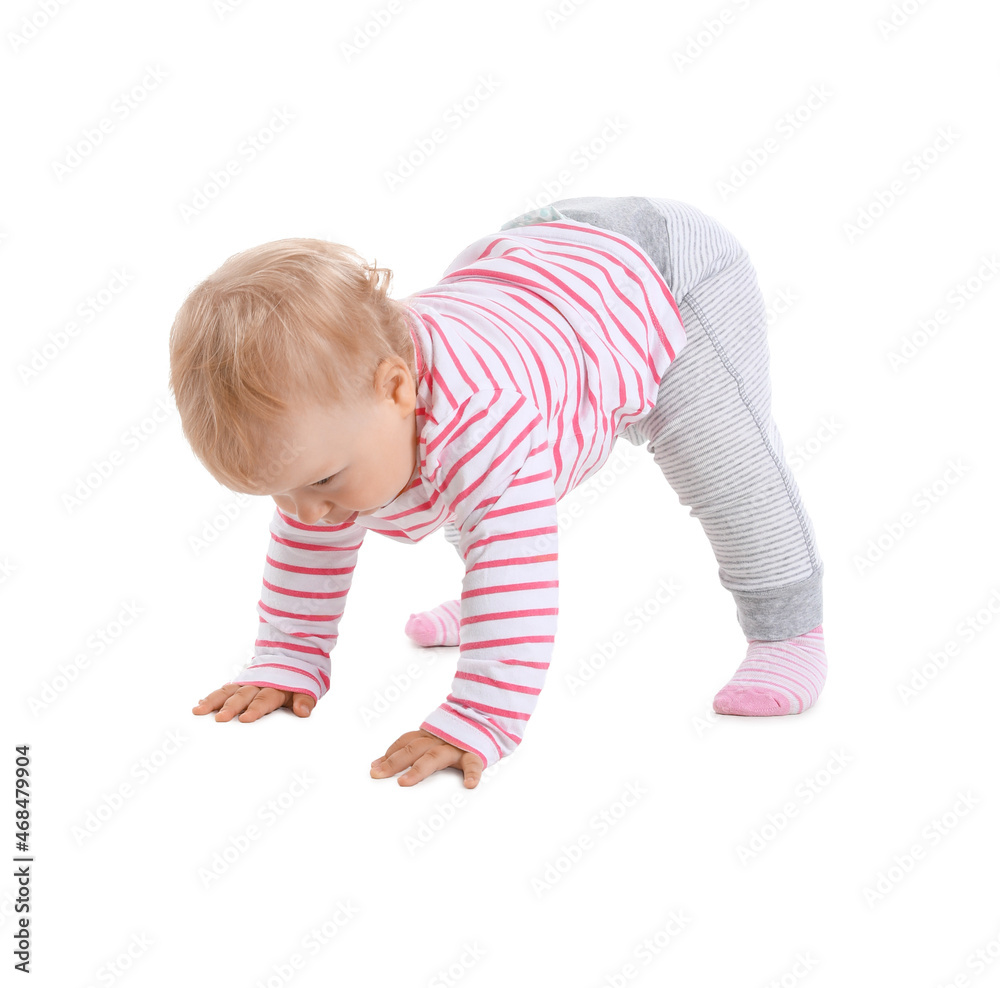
{"points": [[474, 406]]}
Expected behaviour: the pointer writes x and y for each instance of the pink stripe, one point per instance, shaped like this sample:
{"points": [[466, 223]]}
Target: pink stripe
{"points": [[776, 678], [483, 443], [540, 286], [640, 257], [526, 533], [517, 560], [486, 709], [782, 661], [764, 682], [311, 546], [506, 642], [296, 614], [504, 731], [472, 385], [299, 634], [448, 435], [538, 318], [497, 683], [316, 570], [778, 671], [292, 646], [474, 724], [640, 351], [290, 592], [278, 665], [510, 587], [508, 615]]}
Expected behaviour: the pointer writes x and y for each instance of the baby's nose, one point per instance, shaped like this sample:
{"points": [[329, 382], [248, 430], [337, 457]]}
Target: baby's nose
{"points": [[309, 514]]}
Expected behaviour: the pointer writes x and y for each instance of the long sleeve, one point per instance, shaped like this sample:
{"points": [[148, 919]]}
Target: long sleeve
{"points": [[307, 573], [494, 468]]}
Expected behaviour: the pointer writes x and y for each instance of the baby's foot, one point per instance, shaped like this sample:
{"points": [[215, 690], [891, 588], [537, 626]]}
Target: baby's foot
{"points": [[436, 627], [778, 677]]}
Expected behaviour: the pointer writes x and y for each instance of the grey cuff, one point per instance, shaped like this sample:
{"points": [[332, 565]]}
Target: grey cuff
{"points": [[784, 612]]}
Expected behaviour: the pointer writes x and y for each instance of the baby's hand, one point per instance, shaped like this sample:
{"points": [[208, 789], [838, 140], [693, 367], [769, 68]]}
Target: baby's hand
{"points": [[253, 701], [426, 753]]}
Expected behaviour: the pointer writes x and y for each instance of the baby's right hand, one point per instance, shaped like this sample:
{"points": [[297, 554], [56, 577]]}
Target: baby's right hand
{"points": [[253, 701]]}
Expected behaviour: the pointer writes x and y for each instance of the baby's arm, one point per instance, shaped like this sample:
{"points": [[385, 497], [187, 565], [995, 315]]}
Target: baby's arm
{"points": [[500, 483], [307, 573]]}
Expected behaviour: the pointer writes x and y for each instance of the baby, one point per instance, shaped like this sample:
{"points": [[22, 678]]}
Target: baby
{"points": [[475, 405]]}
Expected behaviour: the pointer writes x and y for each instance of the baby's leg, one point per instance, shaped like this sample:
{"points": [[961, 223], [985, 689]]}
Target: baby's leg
{"points": [[718, 446], [712, 435]]}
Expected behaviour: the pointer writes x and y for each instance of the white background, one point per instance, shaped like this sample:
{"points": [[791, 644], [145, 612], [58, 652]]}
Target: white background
{"points": [[135, 800]]}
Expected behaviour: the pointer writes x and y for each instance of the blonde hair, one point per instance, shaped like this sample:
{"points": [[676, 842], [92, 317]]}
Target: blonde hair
{"points": [[286, 323]]}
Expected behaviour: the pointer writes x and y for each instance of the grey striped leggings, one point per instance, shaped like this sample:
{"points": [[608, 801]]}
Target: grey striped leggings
{"points": [[711, 432]]}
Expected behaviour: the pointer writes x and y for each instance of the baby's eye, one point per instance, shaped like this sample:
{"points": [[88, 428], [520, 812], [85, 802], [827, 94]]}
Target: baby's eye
{"points": [[320, 483]]}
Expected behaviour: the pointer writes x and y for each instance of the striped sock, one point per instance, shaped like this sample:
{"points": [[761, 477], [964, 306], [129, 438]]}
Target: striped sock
{"points": [[438, 626], [776, 677]]}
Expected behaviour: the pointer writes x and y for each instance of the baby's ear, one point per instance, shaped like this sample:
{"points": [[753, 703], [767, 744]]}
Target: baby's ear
{"points": [[391, 375]]}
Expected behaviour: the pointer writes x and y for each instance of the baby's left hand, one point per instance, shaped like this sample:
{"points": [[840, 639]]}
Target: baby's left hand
{"points": [[424, 754]]}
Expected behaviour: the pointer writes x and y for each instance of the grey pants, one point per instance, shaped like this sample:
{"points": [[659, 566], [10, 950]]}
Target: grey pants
{"points": [[711, 431]]}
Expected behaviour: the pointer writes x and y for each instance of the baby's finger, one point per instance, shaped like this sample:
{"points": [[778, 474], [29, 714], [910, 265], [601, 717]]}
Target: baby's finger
{"points": [[264, 702], [301, 704], [401, 742], [472, 765], [215, 699], [402, 755], [437, 758], [237, 703]]}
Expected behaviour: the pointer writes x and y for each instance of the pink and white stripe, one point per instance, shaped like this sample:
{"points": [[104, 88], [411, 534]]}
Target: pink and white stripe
{"points": [[776, 677]]}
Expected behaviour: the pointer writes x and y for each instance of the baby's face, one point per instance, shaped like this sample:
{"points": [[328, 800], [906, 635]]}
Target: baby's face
{"points": [[353, 460]]}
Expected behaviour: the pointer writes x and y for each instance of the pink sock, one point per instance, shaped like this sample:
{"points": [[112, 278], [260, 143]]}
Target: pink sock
{"points": [[779, 677], [436, 627]]}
